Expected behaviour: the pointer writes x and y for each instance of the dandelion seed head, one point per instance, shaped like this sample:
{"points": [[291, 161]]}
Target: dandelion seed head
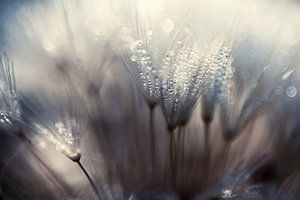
{"points": [[63, 136], [219, 62], [182, 82], [144, 70]]}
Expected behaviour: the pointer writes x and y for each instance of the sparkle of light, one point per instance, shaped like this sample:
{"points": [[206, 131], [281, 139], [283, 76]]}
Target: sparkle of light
{"points": [[167, 25], [227, 193], [48, 46], [291, 91]]}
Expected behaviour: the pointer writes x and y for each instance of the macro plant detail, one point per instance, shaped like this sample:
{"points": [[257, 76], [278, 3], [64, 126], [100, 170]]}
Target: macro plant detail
{"points": [[63, 134], [145, 70], [182, 84], [10, 111], [138, 99], [56, 123]]}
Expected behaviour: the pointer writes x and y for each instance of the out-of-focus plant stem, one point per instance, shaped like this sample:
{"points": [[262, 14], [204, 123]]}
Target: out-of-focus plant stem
{"points": [[89, 179], [172, 164], [206, 141], [181, 146], [152, 136]]}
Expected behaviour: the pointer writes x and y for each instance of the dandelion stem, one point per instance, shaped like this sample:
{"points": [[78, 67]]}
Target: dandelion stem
{"points": [[181, 148], [90, 179], [226, 152], [172, 164], [177, 150], [206, 141], [152, 136]]}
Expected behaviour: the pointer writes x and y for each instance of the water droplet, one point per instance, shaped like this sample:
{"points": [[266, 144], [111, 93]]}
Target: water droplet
{"points": [[291, 91], [133, 58], [227, 193], [48, 46], [167, 25]]}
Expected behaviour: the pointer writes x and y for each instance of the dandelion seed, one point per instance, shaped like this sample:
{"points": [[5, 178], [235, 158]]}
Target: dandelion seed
{"points": [[54, 121], [62, 137], [9, 103], [182, 84], [236, 113], [218, 60], [57, 124], [143, 69]]}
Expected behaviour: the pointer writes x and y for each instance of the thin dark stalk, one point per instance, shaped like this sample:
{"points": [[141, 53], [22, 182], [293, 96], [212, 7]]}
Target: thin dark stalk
{"points": [[222, 163], [181, 149], [172, 164], [177, 150], [183, 143], [206, 141], [226, 153], [152, 136], [90, 179]]}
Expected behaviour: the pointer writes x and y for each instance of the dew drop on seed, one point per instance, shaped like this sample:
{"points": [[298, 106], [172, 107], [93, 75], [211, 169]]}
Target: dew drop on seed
{"points": [[167, 25], [133, 58], [291, 91], [227, 193], [48, 46]]}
